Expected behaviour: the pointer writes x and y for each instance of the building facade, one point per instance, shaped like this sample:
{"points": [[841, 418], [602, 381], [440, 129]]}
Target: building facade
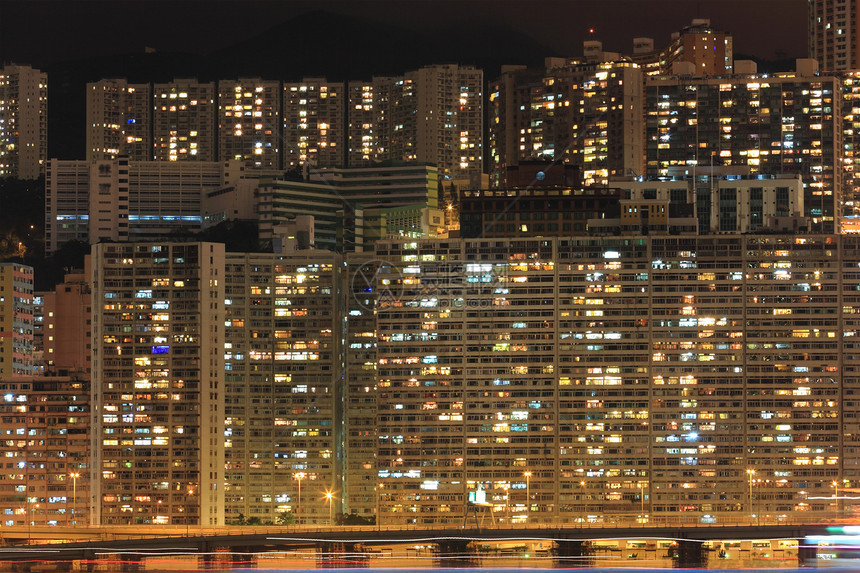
{"points": [[283, 386], [833, 32], [532, 212], [708, 49], [45, 427], [158, 384], [333, 197], [588, 115], [120, 200], [16, 320], [66, 325], [358, 425], [725, 202], [23, 122], [119, 120], [788, 123], [249, 122], [183, 119], [314, 123], [447, 122], [576, 379]]}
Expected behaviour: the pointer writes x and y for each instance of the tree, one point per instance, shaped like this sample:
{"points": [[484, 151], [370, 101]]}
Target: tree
{"points": [[286, 518], [354, 519], [237, 236]]}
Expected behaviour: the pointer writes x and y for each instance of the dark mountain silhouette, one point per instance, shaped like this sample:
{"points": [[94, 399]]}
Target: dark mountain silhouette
{"points": [[313, 44]]}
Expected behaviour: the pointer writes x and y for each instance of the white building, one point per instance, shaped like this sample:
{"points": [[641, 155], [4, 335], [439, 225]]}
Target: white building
{"points": [[726, 202], [121, 200]]}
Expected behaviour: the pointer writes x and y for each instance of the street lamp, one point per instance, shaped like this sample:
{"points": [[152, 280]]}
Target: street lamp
{"points": [[835, 485], [329, 497], [506, 487], [379, 487], [528, 494], [33, 511], [188, 512], [299, 476], [74, 476], [584, 499], [751, 473]]}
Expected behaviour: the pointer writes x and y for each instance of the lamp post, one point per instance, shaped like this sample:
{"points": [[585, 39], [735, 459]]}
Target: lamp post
{"points": [[835, 485], [329, 497], [188, 512], [528, 494], [750, 474], [299, 476], [33, 511], [379, 487], [641, 499], [74, 476], [584, 500]]}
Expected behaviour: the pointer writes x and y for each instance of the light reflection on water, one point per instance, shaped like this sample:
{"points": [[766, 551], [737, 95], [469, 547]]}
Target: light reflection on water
{"points": [[520, 555], [279, 562]]}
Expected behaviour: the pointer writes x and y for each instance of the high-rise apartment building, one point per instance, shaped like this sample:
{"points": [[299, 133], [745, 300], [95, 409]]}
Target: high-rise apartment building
{"points": [[249, 122], [432, 115], [23, 122], [523, 106], [314, 123], [708, 49], [283, 386], [158, 384], [16, 320], [119, 120], [448, 120], [183, 119], [205, 413], [607, 124], [776, 123], [358, 425], [833, 32], [45, 423], [574, 379], [585, 114], [368, 113]]}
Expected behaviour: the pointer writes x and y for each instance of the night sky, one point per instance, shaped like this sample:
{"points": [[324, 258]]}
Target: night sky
{"points": [[41, 33]]}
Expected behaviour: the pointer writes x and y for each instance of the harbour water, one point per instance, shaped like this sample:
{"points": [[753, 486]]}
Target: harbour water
{"points": [[508, 555]]}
